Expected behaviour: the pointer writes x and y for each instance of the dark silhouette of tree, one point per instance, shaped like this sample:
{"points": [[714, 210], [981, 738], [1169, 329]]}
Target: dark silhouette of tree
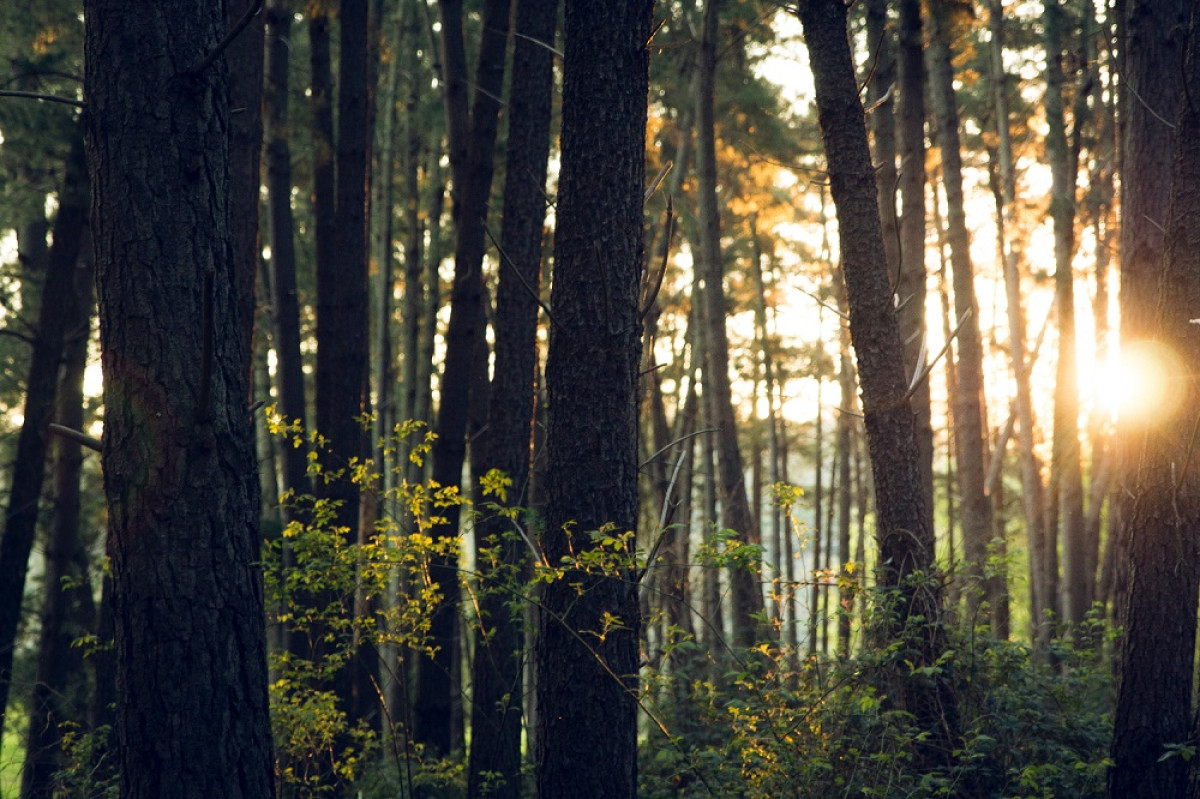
{"points": [[180, 480], [587, 648], [905, 541]]}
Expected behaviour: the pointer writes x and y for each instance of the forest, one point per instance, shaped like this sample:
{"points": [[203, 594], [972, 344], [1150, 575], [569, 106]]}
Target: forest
{"points": [[613, 398]]}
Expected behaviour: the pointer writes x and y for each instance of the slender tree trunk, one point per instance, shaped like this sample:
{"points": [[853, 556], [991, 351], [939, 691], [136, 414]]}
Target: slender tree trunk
{"points": [[814, 604], [178, 461], [472, 136], [911, 184], [495, 757], [41, 389], [68, 610], [735, 505], [587, 736], [968, 409], [904, 539]]}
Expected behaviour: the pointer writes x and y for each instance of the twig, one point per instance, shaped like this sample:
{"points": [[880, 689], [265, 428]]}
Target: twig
{"points": [[504, 259], [693, 434], [540, 42], [234, 32], [653, 187], [82, 439], [49, 98], [824, 304], [924, 373], [662, 269]]}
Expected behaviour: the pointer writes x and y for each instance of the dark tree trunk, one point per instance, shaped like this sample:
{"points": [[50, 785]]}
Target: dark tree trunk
{"points": [[911, 183], [472, 138], [495, 758], [587, 714], [41, 388], [68, 612], [178, 461], [1159, 616], [904, 539], [735, 505]]}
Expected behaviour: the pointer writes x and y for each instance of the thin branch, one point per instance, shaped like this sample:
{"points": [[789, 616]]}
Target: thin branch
{"points": [[82, 439], [825, 305], [650, 460], [662, 173], [504, 259], [49, 98], [666, 254], [540, 42], [917, 378], [234, 32]]}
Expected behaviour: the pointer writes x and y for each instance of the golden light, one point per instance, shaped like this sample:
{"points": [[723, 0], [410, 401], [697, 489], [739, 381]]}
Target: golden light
{"points": [[1142, 385]]}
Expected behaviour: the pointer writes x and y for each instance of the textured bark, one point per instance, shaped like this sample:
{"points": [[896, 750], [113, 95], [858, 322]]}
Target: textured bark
{"points": [[41, 388], [472, 137], [59, 690], [183, 540], [904, 539], [587, 714], [735, 505], [1159, 618], [911, 184], [967, 401], [498, 684]]}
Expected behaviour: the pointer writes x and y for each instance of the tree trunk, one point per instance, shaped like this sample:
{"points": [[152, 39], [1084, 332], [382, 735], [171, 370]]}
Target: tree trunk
{"points": [[495, 757], [68, 612], [41, 388], [735, 505], [472, 136], [967, 407], [178, 461], [1159, 619], [587, 655], [904, 539], [911, 183]]}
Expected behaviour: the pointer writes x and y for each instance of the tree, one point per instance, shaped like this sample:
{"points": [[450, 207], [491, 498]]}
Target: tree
{"points": [[1159, 613], [904, 539], [967, 400], [587, 650], [495, 757], [178, 461]]}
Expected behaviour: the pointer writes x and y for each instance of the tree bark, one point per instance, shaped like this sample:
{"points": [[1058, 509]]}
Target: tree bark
{"points": [[497, 675], [904, 539], [1159, 619], [178, 462], [587, 654]]}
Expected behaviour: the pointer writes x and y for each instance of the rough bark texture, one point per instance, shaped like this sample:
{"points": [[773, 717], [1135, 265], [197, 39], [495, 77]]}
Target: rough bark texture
{"points": [[904, 539], [495, 758], [182, 491], [735, 505], [911, 183], [41, 388], [1159, 619], [967, 400], [587, 654], [68, 612], [472, 138]]}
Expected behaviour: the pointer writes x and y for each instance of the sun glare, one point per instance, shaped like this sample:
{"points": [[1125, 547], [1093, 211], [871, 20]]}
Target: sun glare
{"points": [[1139, 385]]}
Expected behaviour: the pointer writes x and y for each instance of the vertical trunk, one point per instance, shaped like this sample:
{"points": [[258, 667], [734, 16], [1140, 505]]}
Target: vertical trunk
{"points": [[814, 604], [472, 137], [848, 401], [1031, 478], [495, 757], [1159, 616], [41, 388], [967, 410], [178, 460], [904, 539], [911, 183], [587, 736], [1065, 458], [68, 612], [735, 505]]}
